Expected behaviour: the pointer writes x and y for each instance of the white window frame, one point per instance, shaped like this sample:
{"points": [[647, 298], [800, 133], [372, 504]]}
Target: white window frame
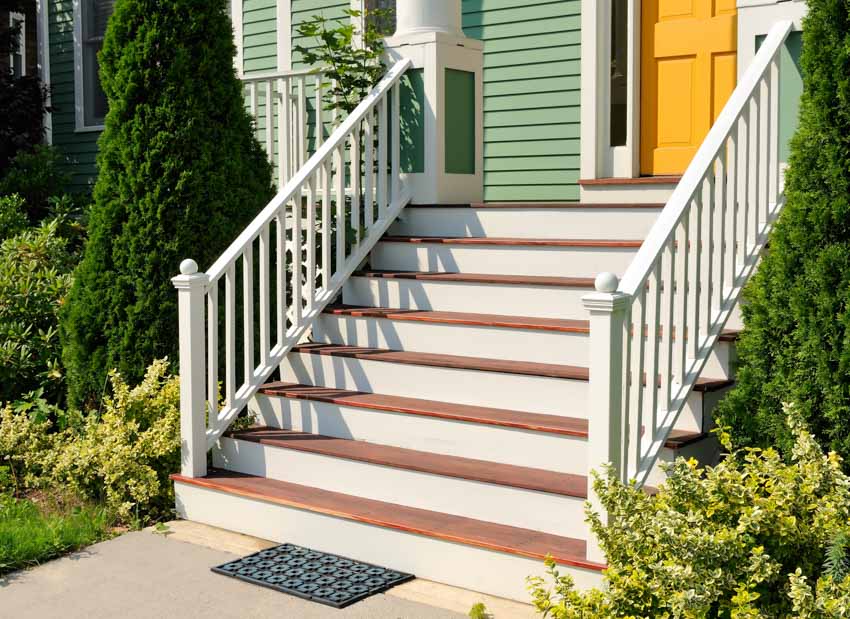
{"points": [[79, 78], [43, 40], [22, 42], [598, 158]]}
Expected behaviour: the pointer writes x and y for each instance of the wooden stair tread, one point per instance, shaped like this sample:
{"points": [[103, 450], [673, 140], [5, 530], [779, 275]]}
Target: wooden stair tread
{"points": [[641, 180], [507, 366], [498, 537], [542, 205], [513, 242], [462, 318], [459, 362], [554, 424], [535, 422], [424, 462], [481, 278]]}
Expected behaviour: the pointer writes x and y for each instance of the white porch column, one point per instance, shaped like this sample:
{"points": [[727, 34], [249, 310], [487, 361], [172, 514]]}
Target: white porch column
{"points": [[606, 417], [442, 123]]}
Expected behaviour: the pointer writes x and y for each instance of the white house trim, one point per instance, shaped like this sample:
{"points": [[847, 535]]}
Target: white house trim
{"points": [[756, 17], [79, 94], [22, 40], [43, 40], [284, 35], [236, 18], [598, 158]]}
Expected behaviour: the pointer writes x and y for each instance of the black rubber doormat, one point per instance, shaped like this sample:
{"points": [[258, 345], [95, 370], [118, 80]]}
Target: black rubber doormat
{"points": [[312, 575]]}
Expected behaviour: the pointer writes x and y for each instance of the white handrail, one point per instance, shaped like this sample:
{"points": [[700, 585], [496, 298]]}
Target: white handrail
{"points": [[295, 255], [652, 333]]}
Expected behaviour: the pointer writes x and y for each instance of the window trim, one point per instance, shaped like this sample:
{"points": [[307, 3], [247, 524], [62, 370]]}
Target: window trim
{"points": [[79, 78], [22, 43]]}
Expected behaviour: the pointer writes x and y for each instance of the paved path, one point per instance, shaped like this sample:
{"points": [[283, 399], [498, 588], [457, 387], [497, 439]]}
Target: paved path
{"points": [[144, 574]]}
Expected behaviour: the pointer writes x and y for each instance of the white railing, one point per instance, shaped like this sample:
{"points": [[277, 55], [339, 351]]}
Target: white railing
{"points": [[281, 109], [651, 335], [295, 255]]}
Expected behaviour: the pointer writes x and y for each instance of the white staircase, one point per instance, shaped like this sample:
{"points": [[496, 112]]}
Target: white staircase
{"points": [[439, 416]]}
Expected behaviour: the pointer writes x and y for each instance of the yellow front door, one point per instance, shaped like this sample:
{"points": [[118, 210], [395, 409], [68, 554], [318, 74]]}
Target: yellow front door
{"points": [[688, 71]]}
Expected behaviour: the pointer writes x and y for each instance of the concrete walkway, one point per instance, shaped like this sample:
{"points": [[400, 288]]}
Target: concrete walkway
{"points": [[148, 574]]}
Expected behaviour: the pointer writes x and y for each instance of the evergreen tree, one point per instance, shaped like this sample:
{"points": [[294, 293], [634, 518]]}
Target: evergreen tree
{"points": [[180, 174], [796, 345]]}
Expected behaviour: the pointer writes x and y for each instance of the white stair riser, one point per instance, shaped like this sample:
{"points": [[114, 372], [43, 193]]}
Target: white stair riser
{"points": [[705, 451], [533, 394], [542, 223], [536, 394], [517, 507], [562, 347], [538, 301], [469, 340], [554, 452], [460, 565], [502, 259]]}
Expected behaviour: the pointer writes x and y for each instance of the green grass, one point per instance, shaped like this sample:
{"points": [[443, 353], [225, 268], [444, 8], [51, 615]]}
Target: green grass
{"points": [[31, 534]]}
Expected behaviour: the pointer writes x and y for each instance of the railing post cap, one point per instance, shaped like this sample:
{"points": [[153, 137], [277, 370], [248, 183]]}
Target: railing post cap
{"points": [[188, 267], [606, 282]]}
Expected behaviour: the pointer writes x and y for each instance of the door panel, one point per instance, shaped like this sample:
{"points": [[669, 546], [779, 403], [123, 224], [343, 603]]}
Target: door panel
{"points": [[688, 71]]}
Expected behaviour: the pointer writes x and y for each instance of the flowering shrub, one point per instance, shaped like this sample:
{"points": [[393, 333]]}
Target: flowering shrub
{"points": [[747, 538]]}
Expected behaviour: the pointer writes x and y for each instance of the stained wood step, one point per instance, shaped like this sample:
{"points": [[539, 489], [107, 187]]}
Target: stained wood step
{"points": [[507, 366], [542, 205], [481, 278], [424, 462], [498, 537], [641, 180], [513, 242], [554, 424], [462, 318], [535, 422]]}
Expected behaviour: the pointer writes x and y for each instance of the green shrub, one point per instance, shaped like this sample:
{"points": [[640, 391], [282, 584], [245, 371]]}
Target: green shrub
{"points": [[35, 277], [796, 344], [716, 542], [180, 175], [37, 176], [124, 455], [13, 217], [119, 457]]}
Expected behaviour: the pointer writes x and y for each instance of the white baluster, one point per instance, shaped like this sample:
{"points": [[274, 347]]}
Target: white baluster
{"points": [[395, 155], [283, 131], [212, 353], [230, 334], [280, 283], [368, 166], [248, 312], [327, 269], [354, 173], [382, 158], [339, 164], [265, 298], [269, 122]]}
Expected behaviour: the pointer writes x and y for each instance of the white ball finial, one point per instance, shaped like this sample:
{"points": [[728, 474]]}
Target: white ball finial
{"points": [[188, 267], [606, 282]]}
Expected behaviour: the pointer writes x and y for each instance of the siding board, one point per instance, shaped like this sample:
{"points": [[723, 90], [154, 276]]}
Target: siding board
{"points": [[532, 67]]}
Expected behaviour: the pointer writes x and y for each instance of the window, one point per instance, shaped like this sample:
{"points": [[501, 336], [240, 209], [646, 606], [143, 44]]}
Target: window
{"points": [[619, 72], [91, 27], [18, 56], [386, 23]]}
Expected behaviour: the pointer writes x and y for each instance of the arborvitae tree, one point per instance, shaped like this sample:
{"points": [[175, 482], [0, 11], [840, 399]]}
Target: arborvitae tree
{"points": [[180, 174], [796, 345]]}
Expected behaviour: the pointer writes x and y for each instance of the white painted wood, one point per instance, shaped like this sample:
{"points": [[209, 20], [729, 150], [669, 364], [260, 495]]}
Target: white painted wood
{"points": [[517, 507], [524, 222], [435, 435], [236, 16], [552, 452], [458, 564], [699, 205], [43, 29], [625, 194], [519, 300], [283, 15], [554, 396], [190, 287], [502, 259]]}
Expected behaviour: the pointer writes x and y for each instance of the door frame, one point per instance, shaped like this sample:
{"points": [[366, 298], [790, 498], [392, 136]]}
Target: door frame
{"points": [[598, 158]]}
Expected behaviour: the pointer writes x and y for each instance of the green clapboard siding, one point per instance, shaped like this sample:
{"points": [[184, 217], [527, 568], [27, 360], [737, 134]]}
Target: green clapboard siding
{"points": [[460, 122], [259, 36], [532, 57], [412, 121], [79, 147]]}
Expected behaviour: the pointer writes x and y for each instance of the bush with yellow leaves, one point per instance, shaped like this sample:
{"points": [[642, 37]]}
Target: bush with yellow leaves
{"points": [[754, 536], [120, 456]]}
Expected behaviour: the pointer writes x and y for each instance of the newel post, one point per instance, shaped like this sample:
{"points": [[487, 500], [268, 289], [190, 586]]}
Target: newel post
{"points": [[606, 417], [191, 287]]}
